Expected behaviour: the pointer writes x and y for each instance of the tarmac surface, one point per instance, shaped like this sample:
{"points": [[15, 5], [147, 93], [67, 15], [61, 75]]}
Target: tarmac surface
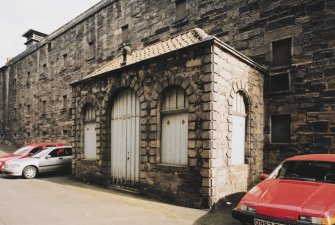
{"points": [[56, 199]]}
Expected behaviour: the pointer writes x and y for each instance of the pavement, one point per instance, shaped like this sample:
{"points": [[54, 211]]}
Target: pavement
{"points": [[56, 199]]}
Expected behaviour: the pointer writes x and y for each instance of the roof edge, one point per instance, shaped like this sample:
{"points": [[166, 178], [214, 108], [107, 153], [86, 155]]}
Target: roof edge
{"points": [[207, 39], [239, 55], [204, 38], [72, 23]]}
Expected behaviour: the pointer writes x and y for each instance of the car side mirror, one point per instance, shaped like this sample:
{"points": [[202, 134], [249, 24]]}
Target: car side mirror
{"points": [[30, 154], [48, 156], [263, 176]]}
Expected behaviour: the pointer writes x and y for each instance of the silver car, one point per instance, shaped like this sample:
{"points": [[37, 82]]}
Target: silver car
{"points": [[46, 160]]}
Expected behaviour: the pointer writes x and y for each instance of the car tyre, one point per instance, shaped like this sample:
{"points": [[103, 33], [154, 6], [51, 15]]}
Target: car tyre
{"points": [[29, 172]]}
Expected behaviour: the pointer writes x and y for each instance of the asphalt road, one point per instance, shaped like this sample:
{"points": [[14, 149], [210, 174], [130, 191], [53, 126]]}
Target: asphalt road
{"points": [[55, 199]]}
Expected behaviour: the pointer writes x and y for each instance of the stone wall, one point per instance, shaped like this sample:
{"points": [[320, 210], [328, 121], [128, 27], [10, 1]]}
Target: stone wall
{"points": [[310, 99], [209, 76], [232, 75], [148, 79], [3, 100], [95, 37]]}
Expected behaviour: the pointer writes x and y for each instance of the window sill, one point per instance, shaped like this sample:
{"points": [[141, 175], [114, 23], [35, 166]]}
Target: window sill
{"points": [[239, 167], [275, 69], [90, 58], [88, 160], [279, 92], [171, 167], [280, 143], [63, 70], [180, 22]]}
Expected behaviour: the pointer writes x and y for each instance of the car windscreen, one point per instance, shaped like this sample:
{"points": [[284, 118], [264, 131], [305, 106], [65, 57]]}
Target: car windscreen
{"points": [[23, 151], [39, 153], [319, 171]]}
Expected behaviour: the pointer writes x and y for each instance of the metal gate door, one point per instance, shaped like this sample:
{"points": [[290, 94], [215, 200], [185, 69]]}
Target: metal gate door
{"points": [[125, 140]]}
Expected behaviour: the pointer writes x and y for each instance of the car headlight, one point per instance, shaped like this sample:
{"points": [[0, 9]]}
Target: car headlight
{"points": [[248, 208], [317, 220], [328, 221], [310, 219]]}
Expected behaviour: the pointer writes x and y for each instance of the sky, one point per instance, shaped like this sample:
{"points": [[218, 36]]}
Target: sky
{"points": [[46, 16]]}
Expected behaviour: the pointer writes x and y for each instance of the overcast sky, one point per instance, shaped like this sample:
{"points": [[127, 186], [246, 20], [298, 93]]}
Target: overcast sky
{"points": [[46, 16]]}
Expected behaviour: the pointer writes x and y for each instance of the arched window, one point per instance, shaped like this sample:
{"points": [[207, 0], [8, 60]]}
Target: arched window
{"points": [[174, 111], [238, 133], [90, 135]]}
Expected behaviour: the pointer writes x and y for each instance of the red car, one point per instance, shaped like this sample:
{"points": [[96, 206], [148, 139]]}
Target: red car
{"points": [[26, 151], [301, 190]]}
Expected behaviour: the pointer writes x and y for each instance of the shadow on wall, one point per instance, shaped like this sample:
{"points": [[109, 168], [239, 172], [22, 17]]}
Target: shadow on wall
{"points": [[221, 212]]}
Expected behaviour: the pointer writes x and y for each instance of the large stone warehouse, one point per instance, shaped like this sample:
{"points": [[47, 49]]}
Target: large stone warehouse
{"points": [[183, 100]]}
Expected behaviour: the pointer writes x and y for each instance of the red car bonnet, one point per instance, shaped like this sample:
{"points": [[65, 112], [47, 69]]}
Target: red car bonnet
{"points": [[287, 199]]}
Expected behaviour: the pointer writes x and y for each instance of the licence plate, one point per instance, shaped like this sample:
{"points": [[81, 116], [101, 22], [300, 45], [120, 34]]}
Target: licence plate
{"points": [[264, 222]]}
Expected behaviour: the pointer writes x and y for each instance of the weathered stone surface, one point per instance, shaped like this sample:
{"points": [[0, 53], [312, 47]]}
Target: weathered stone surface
{"points": [[37, 103]]}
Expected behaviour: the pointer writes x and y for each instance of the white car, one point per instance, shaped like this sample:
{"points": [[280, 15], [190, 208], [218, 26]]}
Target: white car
{"points": [[46, 160]]}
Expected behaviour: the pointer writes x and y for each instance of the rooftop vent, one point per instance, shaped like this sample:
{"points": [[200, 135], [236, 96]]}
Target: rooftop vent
{"points": [[33, 37]]}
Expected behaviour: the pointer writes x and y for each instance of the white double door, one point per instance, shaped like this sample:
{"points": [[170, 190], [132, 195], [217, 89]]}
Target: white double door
{"points": [[125, 138]]}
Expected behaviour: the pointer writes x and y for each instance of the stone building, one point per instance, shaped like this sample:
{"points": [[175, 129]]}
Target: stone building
{"points": [[170, 118], [292, 40]]}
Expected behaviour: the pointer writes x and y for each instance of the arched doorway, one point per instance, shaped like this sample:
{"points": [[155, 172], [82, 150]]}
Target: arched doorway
{"points": [[125, 139], [238, 133]]}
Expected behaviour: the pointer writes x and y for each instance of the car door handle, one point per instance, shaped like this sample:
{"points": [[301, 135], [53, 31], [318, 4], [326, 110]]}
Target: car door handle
{"points": [[60, 158]]}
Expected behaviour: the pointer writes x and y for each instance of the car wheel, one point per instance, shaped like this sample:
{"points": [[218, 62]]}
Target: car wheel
{"points": [[29, 172]]}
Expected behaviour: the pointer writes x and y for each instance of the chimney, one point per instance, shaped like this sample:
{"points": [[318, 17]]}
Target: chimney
{"points": [[125, 53], [33, 37]]}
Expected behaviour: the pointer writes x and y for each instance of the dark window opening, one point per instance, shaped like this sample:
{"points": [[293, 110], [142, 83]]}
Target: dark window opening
{"points": [[28, 78], [280, 128], [91, 49], [125, 34], [281, 52], [65, 60], [180, 10], [280, 82], [65, 101], [28, 109], [49, 46], [44, 106]]}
